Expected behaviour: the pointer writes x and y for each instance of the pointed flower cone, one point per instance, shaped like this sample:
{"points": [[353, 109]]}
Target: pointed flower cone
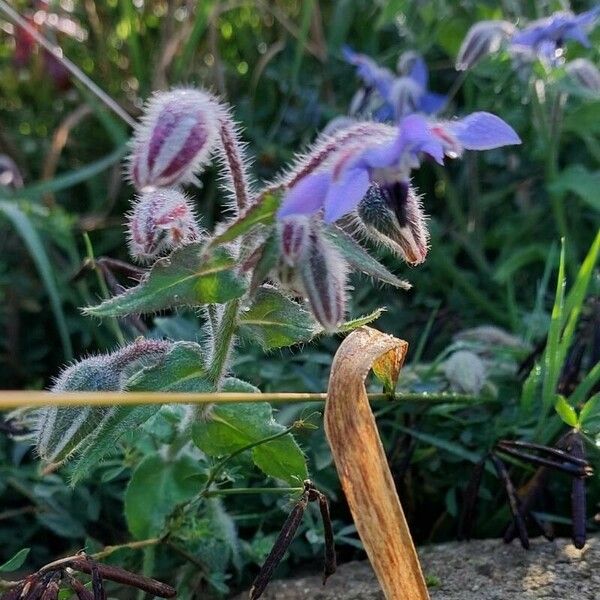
{"points": [[361, 462]]}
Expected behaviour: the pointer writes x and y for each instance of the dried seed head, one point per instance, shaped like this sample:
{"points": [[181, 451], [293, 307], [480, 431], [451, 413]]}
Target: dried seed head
{"points": [[393, 215], [585, 74], [482, 39], [324, 275], [294, 237], [161, 220], [174, 139]]}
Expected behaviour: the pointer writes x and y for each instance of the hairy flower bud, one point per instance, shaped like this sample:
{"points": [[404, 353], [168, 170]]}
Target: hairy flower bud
{"points": [[294, 238], [393, 215], [174, 139], [161, 220], [482, 39], [61, 430], [324, 274], [585, 73]]}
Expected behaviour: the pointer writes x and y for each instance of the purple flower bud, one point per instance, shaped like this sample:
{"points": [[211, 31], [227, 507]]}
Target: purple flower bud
{"points": [[584, 73], [324, 274], [482, 39], [393, 215], [174, 139], [294, 236], [161, 220], [10, 176]]}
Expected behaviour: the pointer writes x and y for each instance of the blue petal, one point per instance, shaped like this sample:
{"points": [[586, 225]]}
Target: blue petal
{"points": [[369, 71], [419, 72], [483, 131], [306, 197], [431, 103], [344, 195]]}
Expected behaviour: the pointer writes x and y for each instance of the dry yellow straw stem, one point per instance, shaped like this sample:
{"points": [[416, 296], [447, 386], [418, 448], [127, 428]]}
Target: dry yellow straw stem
{"points": [[12, 399], [19, 399], [362, 465]]}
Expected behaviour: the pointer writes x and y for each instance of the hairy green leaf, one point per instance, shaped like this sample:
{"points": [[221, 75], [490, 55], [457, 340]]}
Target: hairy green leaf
{"points": [[231, 427], [361, 260], [183, 369], [185, 278], [263, 213], [275, 321], [157, 486]]}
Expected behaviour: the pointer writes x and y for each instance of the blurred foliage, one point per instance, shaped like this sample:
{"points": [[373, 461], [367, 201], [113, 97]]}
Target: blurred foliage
{"points": [[496, 222]]}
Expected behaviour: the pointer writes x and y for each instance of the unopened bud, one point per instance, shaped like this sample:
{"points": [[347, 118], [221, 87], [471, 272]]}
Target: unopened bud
{"points": [[482, 39], [404, 96], [294, 236], [160, 221], [465, 372], [585, 73], [324, 273], [392, 215], [10, 176], [61, 430], [174, 139]]}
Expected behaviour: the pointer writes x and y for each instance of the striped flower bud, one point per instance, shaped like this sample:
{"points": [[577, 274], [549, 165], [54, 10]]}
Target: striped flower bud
{"points": [[294, 236], [585, 74], [160, 221], [392, 215], [59, 431], [324, 274], [174, 139], [482, 39]]}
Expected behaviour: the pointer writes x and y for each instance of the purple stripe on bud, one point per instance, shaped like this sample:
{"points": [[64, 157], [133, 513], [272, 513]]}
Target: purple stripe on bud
{"points": [[160, 221], [174, 139], [294, 235], [324, 273]]}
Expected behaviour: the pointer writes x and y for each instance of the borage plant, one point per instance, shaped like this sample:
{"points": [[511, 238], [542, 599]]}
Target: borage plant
{"points": [[275, 271]]}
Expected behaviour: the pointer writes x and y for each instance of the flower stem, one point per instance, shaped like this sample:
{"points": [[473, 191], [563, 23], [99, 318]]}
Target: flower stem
{"points": [[223, 342]]}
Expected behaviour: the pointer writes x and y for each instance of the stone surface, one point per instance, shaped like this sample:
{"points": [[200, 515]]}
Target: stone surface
{"points": [[476, 570]]}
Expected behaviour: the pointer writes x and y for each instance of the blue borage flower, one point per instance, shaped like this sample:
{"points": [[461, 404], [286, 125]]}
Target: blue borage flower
{"points": [[400, 94], [338, 187], [543, 39]]}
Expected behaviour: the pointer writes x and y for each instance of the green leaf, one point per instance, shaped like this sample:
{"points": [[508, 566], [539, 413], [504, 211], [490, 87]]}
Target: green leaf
{"points": [[275, 321], [361, 260], [263, 213], [267, 261], [36, 249], [231, 427], [589, 416], [183, 369], [587, 384], [15, 562], [353, 324], [105, 436], [157, 486], [566, 412], [578, 180], [185, 278], [583, 120]]}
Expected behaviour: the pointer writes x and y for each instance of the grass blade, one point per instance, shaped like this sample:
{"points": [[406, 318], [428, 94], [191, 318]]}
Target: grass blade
{"points": [[34, 244]]}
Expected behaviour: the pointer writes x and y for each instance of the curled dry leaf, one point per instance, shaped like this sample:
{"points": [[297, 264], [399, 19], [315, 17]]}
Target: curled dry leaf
{"points": [[361, 462]]}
